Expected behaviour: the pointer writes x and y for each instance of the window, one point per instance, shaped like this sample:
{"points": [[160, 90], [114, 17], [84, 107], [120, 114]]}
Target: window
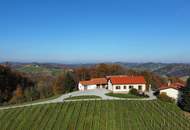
{"points": [[130, 87], [140, 87], [85, 87], [124, 87], [117, 87]]}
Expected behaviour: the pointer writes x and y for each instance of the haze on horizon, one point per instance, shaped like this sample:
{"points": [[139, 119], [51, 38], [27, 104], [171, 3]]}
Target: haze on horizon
{"points": [[83, 31]]}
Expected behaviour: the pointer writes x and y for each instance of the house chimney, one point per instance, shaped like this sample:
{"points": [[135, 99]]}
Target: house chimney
{"points": [[169, 82], [150, 87]]}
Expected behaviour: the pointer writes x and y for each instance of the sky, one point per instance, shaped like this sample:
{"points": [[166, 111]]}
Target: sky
{"points": [[83, 31]]}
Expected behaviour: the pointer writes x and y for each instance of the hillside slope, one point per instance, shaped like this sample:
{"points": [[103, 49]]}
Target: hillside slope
{"points": [[38, 69], [166, 69], [96, 115], [149, 66], [178, 70], [170, 69]]}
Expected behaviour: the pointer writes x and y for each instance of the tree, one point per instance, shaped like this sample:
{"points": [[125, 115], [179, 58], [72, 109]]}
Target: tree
{"points": [[132, 72], [69, 82], [175, 79], [58, 87], [82, 73], [44, 89], [117, 70], [18, 95], [185, 102], [64, 83], [102, 70], [31, 94], [9, 80]]}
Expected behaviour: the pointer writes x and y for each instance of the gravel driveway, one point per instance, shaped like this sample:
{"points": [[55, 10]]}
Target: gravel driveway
{"points": [[98, 92]]}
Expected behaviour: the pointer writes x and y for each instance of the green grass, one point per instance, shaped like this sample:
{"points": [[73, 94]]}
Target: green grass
{"points": [[96, 115], [128, 95], [83, 97], [39, 70]]}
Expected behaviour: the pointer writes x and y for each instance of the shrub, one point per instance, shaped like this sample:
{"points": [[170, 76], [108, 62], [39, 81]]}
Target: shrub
{"points": [[134, 91], [164, 97], [143, 95]]}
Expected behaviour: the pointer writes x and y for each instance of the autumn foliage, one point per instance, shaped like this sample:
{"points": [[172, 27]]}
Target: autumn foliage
{"points": [[18, 96], [102, 70], [16, 87], [11, 82]]}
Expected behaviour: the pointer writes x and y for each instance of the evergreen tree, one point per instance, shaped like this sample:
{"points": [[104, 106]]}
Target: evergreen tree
{"points": [[69, 82], [185, 103]]}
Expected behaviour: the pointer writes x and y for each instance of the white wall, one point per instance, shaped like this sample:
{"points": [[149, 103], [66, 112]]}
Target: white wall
{"points": [[110, 86], [89, 87], [113, 87], [173, 93], [135, 86]]}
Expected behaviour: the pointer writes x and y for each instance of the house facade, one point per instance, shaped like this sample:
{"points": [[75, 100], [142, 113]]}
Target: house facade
{"points": [[116, 84], [123, 84], [94, 83], [172, 90]]}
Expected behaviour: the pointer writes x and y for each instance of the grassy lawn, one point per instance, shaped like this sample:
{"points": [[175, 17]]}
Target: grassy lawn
{"points": [[96, 115], [83, 97], [128, 95]]}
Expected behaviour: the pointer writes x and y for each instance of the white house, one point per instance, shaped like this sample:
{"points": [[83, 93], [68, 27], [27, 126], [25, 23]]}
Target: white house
{"points": [[116, 84], [93, 84], [123, 84], [172, 90]]}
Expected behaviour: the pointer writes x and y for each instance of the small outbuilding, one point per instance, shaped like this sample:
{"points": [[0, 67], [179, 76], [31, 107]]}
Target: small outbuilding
{"points": [[93, 84], [172, 90]]}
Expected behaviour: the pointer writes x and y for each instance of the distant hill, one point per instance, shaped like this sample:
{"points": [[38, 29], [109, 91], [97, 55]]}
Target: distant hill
{"points": [[178, 70], [39, 69], [164, 69], [144, 66], [16, 65]]}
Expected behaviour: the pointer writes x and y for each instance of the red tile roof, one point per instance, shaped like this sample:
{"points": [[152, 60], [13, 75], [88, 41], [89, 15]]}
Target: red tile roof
{"points": [[94, 81], [123, 79], [176, 86]]}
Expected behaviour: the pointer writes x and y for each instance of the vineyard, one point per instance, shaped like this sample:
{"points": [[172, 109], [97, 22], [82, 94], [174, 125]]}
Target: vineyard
{"points": [[96, 115]]}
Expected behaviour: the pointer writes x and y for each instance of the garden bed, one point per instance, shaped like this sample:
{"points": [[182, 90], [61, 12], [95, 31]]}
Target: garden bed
{"points": [[128, 95], [83, 97]]}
